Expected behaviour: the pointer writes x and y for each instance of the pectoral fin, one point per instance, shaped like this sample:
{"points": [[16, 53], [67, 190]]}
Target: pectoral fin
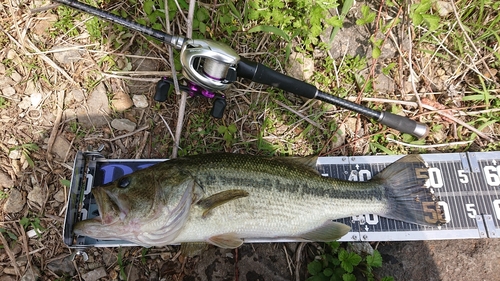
{"points": [[330, 231], [227, 241], [220, 198]]}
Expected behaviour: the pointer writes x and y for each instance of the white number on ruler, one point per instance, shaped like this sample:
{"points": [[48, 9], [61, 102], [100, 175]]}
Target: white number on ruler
{"points": [[446, 210], [435, 178], [496, 206], [492, 175], [361, 175], [470, 208], [463, 177]]}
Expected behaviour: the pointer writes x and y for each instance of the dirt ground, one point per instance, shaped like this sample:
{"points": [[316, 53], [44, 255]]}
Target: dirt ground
{"points": [[59, 97]]}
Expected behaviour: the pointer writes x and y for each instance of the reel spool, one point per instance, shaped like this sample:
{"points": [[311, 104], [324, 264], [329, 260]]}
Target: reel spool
{"points": [[209, 64]]}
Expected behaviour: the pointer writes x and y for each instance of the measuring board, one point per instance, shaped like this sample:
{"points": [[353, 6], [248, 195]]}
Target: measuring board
{"points": [[467, 185]]}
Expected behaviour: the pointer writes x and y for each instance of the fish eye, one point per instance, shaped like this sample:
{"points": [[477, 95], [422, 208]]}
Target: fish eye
{"points": [[124, 182]]}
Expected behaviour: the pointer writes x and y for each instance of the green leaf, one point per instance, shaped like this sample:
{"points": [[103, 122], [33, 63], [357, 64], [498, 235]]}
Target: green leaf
{"points": [[374, 260], [349, 260], [232, 128], [24, 222], [270, 29], [348, 277], [222, 129], [148, 6], [314, 267], [328, 272], [65, 182], [432, 21], [376, 52]]}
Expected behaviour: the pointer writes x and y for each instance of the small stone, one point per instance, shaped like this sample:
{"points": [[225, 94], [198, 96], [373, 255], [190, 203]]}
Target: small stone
{"points": [[7, 278], [140, 101], [95, 274], [61, 147], [121, 101], [66, 56], [32, 274], [123, 124], [25, 103], [15, 154], [300, 67], [132, 272], [59, 196], [77, 95], [37, 195], [16, 77], [97, 108], [8, 91], [5, 180], [11, 54], [444, 8], [36, 99], [62, 266], [15, 202]]}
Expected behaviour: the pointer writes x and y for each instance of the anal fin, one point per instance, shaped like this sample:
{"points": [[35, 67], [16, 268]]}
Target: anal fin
{"points": [[330, 231], [227, 240]]}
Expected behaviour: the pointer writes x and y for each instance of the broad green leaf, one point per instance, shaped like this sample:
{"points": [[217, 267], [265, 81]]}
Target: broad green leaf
{"points": [[374, 260], [232, 128], [148, 6], [314, 267], [348, 277], [432, 21]]}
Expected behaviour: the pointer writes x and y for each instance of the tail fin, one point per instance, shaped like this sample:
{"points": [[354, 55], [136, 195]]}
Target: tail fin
{"points": [[408, 198]]}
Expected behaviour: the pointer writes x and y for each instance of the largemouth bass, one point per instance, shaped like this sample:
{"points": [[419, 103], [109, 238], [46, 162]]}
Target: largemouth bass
{"points": [[223, 199]]}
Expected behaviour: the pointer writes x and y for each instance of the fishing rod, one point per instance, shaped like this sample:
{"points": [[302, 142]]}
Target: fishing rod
{"points": [[211, 66]]}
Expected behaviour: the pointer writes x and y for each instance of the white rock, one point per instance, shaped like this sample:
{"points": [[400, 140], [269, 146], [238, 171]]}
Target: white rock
{"points": [[36, 99], [77, 95], [15, 154], [8, 91], [66, 56], [25, 103], [16, 77], [444, 8], [123, 124], [140, 101]]}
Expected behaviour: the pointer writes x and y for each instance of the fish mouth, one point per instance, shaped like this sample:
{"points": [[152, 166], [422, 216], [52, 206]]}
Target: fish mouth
{"points": [[109, 211]]}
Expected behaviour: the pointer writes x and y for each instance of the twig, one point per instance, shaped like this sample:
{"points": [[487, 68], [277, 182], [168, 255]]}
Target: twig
{"points": [[10, 254], [44, 8], [299, 114], [456, 120], [120, 137], [298, 256], [169, 130], [182, 105], [428, 145], [53, 134], [143, 144]]}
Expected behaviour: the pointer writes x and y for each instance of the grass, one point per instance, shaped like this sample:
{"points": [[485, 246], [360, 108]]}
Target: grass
{"points": [[451, 59]]}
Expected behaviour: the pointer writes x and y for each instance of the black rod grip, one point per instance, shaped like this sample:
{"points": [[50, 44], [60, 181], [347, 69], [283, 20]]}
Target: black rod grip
{"points": [[264, 75], [403, 124]]}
